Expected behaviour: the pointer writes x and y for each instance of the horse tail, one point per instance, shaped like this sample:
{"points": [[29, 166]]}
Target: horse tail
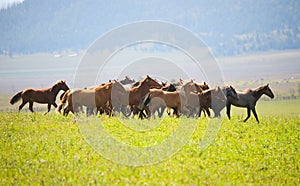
{"points": [[63, 100], [16, 98], [144, 101]]}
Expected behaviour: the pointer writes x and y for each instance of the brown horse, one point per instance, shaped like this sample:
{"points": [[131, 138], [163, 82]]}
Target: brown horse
{"points": [[103, 98], [137, 94], [248, 99], [157, 104], [45, 96], [171, 99]]}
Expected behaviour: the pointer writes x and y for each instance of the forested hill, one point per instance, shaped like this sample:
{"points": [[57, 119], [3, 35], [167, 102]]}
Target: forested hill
{"points": [[228, 27]]}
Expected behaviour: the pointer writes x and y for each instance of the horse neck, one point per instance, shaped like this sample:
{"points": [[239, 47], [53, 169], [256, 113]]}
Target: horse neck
{"points": [[55, 89], [258, 93], [225, 91], [144, 88]]}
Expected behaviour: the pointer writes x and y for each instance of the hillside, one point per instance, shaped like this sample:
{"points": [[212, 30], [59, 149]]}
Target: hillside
{"points": [[228, 27]]}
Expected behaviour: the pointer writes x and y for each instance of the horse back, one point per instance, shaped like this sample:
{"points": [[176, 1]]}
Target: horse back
{"points": [[39, 96]]}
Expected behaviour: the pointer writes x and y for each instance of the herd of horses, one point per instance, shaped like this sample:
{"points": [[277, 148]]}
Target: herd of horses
{"points": [[144, 99]]}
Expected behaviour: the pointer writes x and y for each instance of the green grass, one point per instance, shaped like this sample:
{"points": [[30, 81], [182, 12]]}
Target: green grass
{"points": [[271, 108], [50, 149]]}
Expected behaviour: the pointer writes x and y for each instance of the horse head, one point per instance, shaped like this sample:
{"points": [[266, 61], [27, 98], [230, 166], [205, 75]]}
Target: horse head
{"points": [[151, 83], [62, 85], [230, 92], [200, 87], [268, 91]]}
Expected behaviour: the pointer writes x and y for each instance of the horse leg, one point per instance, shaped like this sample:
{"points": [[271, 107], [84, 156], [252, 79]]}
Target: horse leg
{"points": [[207, 111], [66, 111], [148, 112], [255, 114], [31, 106], [228, 106], [203, 109], [141, 114], [217, 113], [49, 107], [162, 110], [178, 111], [175, 111], [22, 105], [248, 114], [54, 105], [135, 111]]}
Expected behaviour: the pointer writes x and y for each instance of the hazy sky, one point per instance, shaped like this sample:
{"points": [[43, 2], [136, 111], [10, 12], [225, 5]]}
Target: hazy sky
{"points": [[6, 3]]}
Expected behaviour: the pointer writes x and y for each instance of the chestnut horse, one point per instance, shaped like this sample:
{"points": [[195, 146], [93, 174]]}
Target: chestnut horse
{"points": [[248, 99], [157, 104], [137, 94], [171, 99], [44, 96]]}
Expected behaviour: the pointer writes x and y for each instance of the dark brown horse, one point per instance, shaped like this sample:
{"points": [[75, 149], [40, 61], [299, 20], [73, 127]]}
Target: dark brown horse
{"points": [[137, 94], [248, 99], [45, 96]]}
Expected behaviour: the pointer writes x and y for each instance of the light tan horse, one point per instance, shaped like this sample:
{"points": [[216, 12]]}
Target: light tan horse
{"points": [[103, 98], [119, 98], [44, 96], [248, 99], [191, 100], [77, 98]]}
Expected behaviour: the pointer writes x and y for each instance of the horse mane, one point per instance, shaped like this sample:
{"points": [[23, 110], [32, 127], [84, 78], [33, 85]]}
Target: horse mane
{"points": [[257, 90], [142, 81], [248, 90], [55, 85]]}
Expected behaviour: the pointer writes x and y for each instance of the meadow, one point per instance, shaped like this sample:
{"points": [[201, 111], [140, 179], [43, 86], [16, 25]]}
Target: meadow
{"points": [[50, 149]]}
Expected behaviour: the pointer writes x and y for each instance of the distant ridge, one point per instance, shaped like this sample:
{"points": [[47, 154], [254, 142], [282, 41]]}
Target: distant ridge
{"points": [[228, 27]]}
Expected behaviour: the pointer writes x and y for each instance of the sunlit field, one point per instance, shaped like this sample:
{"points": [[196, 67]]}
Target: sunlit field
{"points": [[50, 149]]}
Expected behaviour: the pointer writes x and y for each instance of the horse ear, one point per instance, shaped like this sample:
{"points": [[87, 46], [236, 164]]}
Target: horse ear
{"points": [[204, 83], [231, 87], [267, 84]]}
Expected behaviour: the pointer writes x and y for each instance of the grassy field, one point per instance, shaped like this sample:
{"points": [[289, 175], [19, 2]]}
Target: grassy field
{"points": [[50, 149]]}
